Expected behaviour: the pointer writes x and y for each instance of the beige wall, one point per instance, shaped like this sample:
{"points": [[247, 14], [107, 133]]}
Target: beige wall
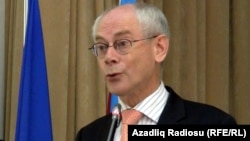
{"points": [[208, 60]]}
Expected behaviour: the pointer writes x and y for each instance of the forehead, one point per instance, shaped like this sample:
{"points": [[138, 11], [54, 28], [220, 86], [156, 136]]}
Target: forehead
{"points": [[119, 21]]}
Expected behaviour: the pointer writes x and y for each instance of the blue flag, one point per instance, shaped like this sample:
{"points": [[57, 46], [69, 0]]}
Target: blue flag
{"points": [[33, 115], [113, 100], [122, 2]]}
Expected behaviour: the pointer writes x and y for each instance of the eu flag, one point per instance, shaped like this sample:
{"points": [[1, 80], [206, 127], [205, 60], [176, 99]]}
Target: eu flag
{"points": [[33, 116]]}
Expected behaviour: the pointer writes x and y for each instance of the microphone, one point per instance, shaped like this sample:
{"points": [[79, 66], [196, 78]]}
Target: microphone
{"points": [[116, 118]]}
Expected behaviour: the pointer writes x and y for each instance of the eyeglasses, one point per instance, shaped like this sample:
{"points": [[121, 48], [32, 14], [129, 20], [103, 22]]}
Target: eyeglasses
{"points": [[121, 46]]}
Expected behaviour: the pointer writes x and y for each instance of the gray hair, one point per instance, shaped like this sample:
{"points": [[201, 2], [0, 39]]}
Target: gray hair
{"points": [[151, 18]]}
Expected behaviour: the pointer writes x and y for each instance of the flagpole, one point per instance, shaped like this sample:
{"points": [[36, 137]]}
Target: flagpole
{"points": [[25, 13], [2, 67]]}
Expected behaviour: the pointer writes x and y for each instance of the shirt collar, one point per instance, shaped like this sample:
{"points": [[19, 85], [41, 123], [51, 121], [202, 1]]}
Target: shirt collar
{"points": [[153, 105]]}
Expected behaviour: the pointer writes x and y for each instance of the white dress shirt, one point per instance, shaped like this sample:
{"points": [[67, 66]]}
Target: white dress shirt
{"points": [[151, 107]]}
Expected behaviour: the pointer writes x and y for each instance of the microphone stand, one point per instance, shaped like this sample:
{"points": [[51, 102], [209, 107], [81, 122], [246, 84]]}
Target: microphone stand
{"points": [[116, 115]]}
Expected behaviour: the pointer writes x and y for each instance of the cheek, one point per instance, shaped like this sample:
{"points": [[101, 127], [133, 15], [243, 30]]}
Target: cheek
{"points": [[141, 65]]}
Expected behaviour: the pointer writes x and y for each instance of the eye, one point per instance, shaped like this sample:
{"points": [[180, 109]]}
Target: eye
{"points": [[122, 43], [101, 47]]}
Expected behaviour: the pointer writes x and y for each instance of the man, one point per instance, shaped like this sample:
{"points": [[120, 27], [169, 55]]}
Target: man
{"points": [[131, 43]]}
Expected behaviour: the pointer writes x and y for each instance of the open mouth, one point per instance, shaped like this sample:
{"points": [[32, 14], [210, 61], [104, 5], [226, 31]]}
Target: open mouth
{"points": [[113, 75]]}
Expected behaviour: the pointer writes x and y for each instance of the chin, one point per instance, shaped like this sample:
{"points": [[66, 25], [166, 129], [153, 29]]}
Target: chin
{"points": [[117, 88]]}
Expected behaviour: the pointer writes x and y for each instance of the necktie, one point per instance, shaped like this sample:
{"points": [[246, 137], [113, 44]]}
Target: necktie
{"points": [[129, 116]]}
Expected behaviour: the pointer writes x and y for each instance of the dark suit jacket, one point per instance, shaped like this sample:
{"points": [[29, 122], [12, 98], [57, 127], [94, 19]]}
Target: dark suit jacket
{"points": [[176, 112]]}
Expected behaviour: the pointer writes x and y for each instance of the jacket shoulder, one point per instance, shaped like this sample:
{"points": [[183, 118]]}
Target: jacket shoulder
{"points": [[182, 111], [95, 130]]}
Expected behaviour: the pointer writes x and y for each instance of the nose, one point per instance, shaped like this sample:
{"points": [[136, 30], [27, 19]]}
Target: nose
{"points": [[111, 56]]}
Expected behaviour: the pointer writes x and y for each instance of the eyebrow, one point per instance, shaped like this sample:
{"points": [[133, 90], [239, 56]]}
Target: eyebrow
{"points": [[120, 33], [123, 32]]}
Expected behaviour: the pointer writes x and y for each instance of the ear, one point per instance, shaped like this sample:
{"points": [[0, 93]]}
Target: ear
{"points": [[161, 48]]}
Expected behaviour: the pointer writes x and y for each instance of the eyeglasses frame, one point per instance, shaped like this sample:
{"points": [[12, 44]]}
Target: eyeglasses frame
{"points": [[94, 50]]}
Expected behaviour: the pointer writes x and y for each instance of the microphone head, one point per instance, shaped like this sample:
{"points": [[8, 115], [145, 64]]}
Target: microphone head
{"points": [[116, 112]]}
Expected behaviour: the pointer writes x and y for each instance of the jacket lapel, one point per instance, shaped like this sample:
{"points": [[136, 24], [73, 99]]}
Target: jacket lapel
{"points": [[174, 110]]}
